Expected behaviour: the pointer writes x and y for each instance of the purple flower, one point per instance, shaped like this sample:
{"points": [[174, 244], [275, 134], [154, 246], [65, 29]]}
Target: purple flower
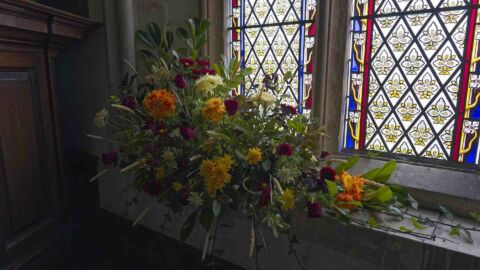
{"points": [[314, 210], [184, 195], [265, 197], [324, 154], [327, 173], [187, 133], [129, 102], [152, 188], [284, 149], [154, 126], [110, 158], [180, 81], [288, 109], [232, 106]]}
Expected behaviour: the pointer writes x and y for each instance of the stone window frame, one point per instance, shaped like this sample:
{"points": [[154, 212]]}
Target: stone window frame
{"points": [[456, 188]]}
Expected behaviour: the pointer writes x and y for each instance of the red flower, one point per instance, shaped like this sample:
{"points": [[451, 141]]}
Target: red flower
{"points": [[211, 72], [284, 149], [110, 158], [184, 194], [232, 106], [203, 63], [327, 173], [288, 109], [187, 133], [129, 102], [314, 210], [152, 188], [265, 197], [180, 81], [187, 62]]}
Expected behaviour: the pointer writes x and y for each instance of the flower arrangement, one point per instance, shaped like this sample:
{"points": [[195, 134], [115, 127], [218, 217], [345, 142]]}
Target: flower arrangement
{"points": [[196, 145]]}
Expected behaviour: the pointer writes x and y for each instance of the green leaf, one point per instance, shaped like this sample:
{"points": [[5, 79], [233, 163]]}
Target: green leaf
{"points": [[182, 33], [475, 216], [384, 194], [347, 165], [417, 224], [145, 38], [372, 222], [267, 165], [206, 218], [446, 212], [155, 33], [454, 231], [140, 217], [188, 226], [225, 199], [216, 208], [332, 188], [405, 229], [382, 175], [466, 235]]}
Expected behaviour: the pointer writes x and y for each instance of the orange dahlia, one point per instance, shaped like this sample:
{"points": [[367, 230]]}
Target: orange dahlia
{"points": [[159, 103]]}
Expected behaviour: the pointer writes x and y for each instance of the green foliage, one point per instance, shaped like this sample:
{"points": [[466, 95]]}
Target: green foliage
{"points": [[347, 165], [188, 226], [381, 175]]}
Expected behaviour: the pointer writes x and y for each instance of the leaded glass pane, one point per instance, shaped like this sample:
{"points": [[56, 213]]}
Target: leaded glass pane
{"points": [[413, 79], [275, 38]]}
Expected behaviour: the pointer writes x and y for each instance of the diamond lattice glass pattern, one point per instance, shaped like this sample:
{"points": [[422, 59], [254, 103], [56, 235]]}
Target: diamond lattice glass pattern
{"points": [[275, 37], [412, 79]]}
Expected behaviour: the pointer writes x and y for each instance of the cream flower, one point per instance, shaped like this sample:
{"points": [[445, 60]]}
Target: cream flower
{"points": [[196, 199], [208, 82], [101, 118], [263, 97]]}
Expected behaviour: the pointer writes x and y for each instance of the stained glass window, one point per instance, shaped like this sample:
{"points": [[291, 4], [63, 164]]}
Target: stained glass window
{"points": [[414, 80], [275, 37]]}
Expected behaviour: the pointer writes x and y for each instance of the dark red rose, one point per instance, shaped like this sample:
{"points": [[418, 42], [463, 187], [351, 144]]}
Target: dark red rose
{"points": [[156, 127], [211, 72], [327, 173], [152, 188], [180, 81], [288, 109], [232, 106], [187, 62], [284, 149], [129, 102], [314, 210], [184, 194], [203, 63], [265, 197], [110, 158], [324, 154], [187, 133]]}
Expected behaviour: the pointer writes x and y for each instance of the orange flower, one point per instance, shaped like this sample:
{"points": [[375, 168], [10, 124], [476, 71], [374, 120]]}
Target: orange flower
{"points": [[159, 103], [214, 110], [345, 197], [352, 184]]}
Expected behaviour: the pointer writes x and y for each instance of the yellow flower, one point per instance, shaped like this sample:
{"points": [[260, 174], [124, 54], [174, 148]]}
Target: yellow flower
{"points": [[159, 103], [216, 173], [208, 82], [177, 186], [263, 97], [254, 156], [214, 110], [288, 199], [160, 174]]}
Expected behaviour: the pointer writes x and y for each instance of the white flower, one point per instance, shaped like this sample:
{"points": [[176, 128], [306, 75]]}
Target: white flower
{"points": [[263, 97], [168, 156], [196, 199], [208, 83], [284, 174], [101, 118]]}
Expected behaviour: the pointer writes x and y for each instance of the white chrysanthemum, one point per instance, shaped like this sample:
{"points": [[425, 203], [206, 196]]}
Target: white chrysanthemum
{"points": [[101, 118], [168, 156], [285, 175], [196, 199], [263, 97], [208, 82]]}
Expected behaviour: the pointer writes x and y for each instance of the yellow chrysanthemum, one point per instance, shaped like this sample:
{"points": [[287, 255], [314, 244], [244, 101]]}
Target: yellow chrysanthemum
{"points": [[214, 110], [160, 173], [352, 184], [288, 199], [216, 173], [177, 186], [208, 82], [254, 156], [159, 103]]}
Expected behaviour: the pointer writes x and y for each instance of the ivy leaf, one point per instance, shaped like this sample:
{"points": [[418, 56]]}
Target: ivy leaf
{"points": [[417, 224], [347, 165], [216, 207], [446, 212], [405, 229], [372, 222], [475, 216], [188, 226], [332, 188], [466, 235], [454, 231]]}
